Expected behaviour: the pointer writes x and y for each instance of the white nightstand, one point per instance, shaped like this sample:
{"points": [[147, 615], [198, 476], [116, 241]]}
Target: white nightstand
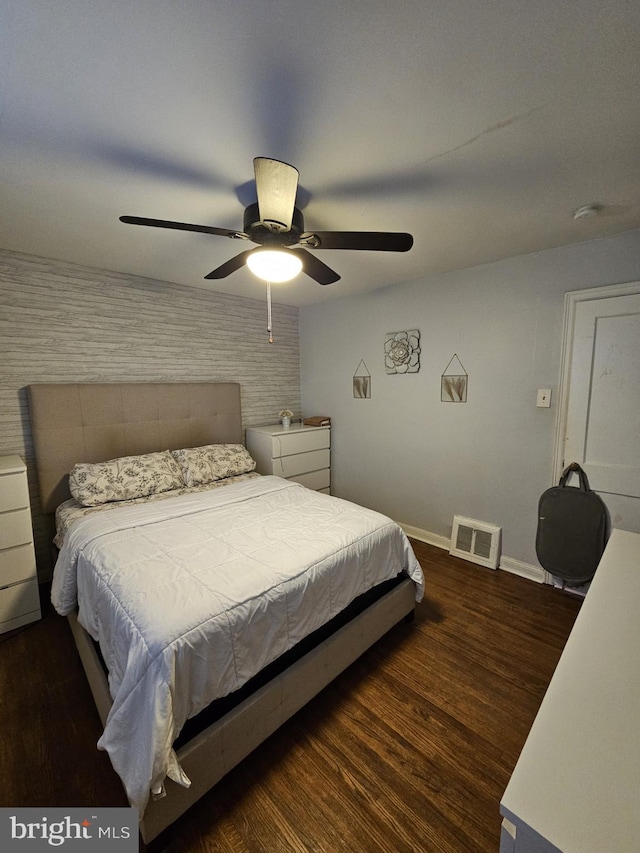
{"points": [[19, 598], [300, 453]]}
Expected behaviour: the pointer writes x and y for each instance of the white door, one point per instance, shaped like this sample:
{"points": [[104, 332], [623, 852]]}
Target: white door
{"points": [[600, 427]]}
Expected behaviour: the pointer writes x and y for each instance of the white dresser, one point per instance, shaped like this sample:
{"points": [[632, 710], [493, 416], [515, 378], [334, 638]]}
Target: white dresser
{"points": [[576, 785], [300, 453], [19, 597]]}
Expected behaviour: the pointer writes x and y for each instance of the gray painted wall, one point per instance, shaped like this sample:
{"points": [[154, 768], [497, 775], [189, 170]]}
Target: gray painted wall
{"points": [[66, 323], [419, 460], [403, 451]]}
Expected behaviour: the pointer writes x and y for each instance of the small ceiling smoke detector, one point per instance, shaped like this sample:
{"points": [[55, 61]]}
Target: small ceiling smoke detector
{"points": [[588, 211]]}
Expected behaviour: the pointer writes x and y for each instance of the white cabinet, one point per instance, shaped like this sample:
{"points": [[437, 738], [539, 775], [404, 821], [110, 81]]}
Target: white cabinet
{"points": [[575, 786], [300, 453], [19, 597]]}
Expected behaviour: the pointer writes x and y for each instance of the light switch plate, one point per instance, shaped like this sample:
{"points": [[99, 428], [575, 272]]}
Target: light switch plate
{"points": [[543, 400]]}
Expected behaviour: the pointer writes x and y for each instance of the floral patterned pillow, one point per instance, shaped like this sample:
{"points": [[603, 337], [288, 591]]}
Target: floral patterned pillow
{"points": [[121, 479], [213, 462]]}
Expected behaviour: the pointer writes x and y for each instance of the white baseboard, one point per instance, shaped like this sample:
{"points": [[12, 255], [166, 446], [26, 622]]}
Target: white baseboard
{"points": [[525, 570], [507, 564], [424, 536]]}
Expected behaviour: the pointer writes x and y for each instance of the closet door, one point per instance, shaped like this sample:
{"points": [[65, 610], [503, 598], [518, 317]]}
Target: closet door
{"points": [[603, 393]]}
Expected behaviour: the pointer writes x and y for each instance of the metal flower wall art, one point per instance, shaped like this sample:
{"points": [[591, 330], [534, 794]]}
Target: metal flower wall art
{"points": [[402, 351]]}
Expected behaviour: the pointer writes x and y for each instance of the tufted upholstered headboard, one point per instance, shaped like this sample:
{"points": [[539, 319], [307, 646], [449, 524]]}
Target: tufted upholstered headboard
{"points": [[89, 422]]}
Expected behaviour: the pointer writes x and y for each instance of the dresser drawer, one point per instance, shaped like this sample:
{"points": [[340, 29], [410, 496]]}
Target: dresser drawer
{"points": [[17, 564], [15, 528], [301, 463], [299, 441], [294, 453], [316, 480], [14, 492], [19, 599]]}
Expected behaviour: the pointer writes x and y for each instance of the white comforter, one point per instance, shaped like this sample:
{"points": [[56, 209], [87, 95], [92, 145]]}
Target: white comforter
{"points": [[191, 596]]}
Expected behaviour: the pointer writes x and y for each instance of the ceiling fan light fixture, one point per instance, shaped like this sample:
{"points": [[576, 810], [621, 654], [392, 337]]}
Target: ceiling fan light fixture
{"points": [[274, 265]]}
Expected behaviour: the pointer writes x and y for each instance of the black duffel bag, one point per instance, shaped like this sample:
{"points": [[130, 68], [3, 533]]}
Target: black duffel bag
{"points": [[572, 529]]}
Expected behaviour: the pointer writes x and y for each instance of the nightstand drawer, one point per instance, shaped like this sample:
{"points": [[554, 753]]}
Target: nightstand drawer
{"points": [[14, 492], [15, 528], [299, 441], [301, 463], [317, 480], [299, 452], [19, 599], [17, 564]]}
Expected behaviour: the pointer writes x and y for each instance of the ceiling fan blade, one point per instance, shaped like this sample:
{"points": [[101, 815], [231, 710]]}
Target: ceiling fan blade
{"points": [[315, 269], [230, 266], [276, 186], [374, 241], [182, 226]]}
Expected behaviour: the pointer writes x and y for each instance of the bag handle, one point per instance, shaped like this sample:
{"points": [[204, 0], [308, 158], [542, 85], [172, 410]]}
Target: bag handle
{"points": [[574, 467]]}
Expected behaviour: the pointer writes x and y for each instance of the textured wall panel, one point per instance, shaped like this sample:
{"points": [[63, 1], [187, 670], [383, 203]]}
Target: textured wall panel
{"points": [[61, 322]]}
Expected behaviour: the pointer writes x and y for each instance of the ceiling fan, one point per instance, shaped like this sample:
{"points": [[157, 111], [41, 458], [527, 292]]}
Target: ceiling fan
{"points": [[276, 225]]}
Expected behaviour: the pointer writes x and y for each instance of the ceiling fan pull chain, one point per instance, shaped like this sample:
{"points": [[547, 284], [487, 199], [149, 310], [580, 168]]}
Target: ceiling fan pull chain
{"points": [[269, 312]]}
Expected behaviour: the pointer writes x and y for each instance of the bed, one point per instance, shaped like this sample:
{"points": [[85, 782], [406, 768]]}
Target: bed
{"points": [[204, 616]]}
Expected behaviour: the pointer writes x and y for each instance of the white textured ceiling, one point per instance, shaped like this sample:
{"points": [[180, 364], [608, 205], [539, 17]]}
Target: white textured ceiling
{"points": [[476, 125]]}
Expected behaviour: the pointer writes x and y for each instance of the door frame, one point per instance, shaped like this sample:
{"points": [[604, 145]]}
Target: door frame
{"points": [[571, 300]]}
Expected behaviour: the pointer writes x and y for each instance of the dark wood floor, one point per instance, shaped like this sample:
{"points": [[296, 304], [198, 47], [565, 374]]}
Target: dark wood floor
{"points": [[409, 750]]}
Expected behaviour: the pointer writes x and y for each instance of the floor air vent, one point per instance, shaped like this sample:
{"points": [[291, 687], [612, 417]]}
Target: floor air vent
{"points": [[475, 541]]}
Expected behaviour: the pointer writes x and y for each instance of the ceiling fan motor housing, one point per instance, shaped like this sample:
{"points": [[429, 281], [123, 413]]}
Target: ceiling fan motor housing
{"points": [[270, 234]]}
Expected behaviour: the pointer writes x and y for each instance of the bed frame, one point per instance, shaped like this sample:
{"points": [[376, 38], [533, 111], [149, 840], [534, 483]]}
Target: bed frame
{"points": [[92, 423]]}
